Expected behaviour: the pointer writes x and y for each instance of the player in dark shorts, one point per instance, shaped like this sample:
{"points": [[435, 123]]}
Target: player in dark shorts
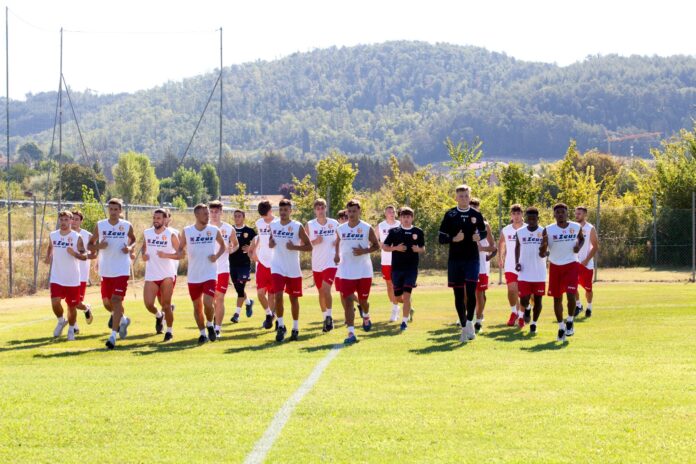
{"points": [[240, 265], [462, 228]]}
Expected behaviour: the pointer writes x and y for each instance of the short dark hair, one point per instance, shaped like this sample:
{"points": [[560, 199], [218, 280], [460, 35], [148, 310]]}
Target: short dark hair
{"points": [[116, 201], [559, 206], [342, 214], [516, 208], [581, 208], [264, 207], [475, 202], [532, 210], [240, 211], [77, 212], [462, 188], [161, 211], [199, 206], [352, 203], [405, 211], [319, 202], [284, 202], [65, 213], [215, 204]]}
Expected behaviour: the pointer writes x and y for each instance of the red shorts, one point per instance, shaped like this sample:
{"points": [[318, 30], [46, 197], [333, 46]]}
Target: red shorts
{"points": [[482, 284], [585, 277], [223, 281], [386, 272], [83, 291], [350, 286], [114, 286], [531, 288], [510, 278], [202, 288], [563, 279], [263, 278], [328, 275], [291, 285], [71, 295]]}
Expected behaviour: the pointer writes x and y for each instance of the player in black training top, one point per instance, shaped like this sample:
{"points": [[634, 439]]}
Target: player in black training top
{"points": [[240, 265], [462, 228], [406, 242]]}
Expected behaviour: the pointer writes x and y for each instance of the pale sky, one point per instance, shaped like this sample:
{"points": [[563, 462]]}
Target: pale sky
{"points": [[130, 45]]}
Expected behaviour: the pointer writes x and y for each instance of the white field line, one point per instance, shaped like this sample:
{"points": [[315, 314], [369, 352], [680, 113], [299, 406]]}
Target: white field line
{"points": [[20, 324]]}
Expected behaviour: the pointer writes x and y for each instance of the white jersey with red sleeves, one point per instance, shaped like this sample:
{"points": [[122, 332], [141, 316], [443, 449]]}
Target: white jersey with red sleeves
{"points": [[157, 268], [84, 265], [200, 245], [324, 252], [286, 262], [174, 263], [65, 269], [509, 233], [384, 227], [113, 262], [562, 240], [223, 264], [586, 246], [484, 265], [264, 253], [533, 265], [354, 267]]}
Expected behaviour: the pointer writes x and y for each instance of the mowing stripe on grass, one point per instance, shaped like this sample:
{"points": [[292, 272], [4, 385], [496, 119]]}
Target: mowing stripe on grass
{"points": [[263, 446]]}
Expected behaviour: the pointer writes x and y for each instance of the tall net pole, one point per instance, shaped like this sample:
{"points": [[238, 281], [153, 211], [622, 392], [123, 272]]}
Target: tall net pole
{"points": [[221, 96], [7, 138]]}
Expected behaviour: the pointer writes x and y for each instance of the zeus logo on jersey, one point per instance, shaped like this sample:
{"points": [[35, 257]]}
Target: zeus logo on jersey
{"points": [[282, 233], [565, 236], [351, 236], [264, 231], [531, 239], [113, 234], [325, 232], [62, 244], [157, 242], [202, 239]]}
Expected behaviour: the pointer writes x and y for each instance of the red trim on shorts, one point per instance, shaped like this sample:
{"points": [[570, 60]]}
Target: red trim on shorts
{"points": [[114, 286], [386, 272], [223, 282], [202, 288], [71, 295]]}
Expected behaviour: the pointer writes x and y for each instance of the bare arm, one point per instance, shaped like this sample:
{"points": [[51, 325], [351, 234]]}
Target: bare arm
{"points": [[581, 241], [49, 253], [221, 247], [501, 249], [518, 266], [304, 238], [181, 251], [374, 241], [337, 256], [543, 248], [594, 244]]}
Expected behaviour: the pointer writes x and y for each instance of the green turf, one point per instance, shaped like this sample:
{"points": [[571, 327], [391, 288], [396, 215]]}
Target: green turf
{"points": [[622, 390]]}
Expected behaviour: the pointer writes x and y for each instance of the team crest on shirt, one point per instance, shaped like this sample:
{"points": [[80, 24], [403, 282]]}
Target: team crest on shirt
{"points": [[330, 226], [208, 233], [414, 236], [120, 228], [359, 230], [245, 234], [473, 220]]}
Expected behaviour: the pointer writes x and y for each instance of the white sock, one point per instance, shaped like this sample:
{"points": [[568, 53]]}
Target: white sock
{"points": [[217, 328], [328, 311], [529, 307], [203, 332], [269, 312], [248, 301], [208, 324], [404, 319], [520, 313], [169, 330], [351, 330], [589, 305], [513, 309], [280, 322], [578, 303], [395, 307], [561, 325], [479, 320], [238, 310], [113, 334], [534, 322], [325, 314], [295, 324], [158, 315], [71, 327], [570, 319], [61, 319]]}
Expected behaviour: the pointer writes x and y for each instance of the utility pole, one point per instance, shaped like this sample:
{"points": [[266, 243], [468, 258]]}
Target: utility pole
{"points": [[221, 97], [60, 126], [7, 153]]}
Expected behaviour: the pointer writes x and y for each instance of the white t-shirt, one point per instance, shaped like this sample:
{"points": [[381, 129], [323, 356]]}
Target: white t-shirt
{"points": [[586, 246], [484, 266], [200, 245], [509, 232], [223, 264], [84, 265], [533, 266], [354, 267], [384, 228], [65, 269], [264, 253], [323, 253], [174, 263], [286, 262], [113, 262], [157, 268], [561, 243]]}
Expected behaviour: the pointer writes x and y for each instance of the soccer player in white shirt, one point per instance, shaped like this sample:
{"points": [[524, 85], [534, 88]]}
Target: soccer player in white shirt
{"points": [[113, 239], [223, 264], [65, 251], [160, 245], [263, 254], [356, 240], [322, 234], [76, 224], [586, 257], [288, 238], [506, 260], [487, 251], [530, 265], [384, 227], [563, 241], [200, 241]]}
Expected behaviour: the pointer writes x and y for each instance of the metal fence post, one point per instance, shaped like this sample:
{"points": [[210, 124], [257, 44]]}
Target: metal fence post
{"points": [[654, 230], [36, 252], [597, 224], [500, 232], [693, 236]]}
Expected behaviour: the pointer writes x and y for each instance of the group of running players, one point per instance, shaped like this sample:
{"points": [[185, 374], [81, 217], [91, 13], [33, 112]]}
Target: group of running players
{"points": [[219, 253]]}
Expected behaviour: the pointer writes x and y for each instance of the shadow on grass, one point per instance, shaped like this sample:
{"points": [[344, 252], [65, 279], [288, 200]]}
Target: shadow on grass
{"points": [[326, 347], [31, 343], [140, 349], [548, 346], [445, 339], [252, 348], [508, 334]]}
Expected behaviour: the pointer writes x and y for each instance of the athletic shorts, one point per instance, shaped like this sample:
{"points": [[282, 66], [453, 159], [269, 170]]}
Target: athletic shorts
{"points": [[563, 279], [114, 286], [223, 281], [511, 278], [263, 278], [159, 284], [585, 277], [291, 285], [404, 280], [531, 288], [350, 286], [328, 275], [71, 295], [482, 284], [387, 272], [83, 291], [203, 288], [461, 272], [240, 275]]}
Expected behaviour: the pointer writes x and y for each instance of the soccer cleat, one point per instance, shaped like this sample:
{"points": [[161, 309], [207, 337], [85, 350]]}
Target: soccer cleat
{"points": [[280, 333], [123, 327], [168, 336], [394, 315], [512, 320], [111, 321], [362, 315], [268, 323], [367, 324], [520, 322], [463, 338], [294, 335], [477, 327], [470, 333], [158, 324], [527, 316], [71, 334], [351, 339], [212, 336], [404, 326], [561, 335], [235, 319], [410, 315], [217, 335], [570, 331], [59, 328], [111, 343], [328, 324], [532, 329], [276, 325], [588, 312], [578, 311], [202, 339], [250, 308], [88, 314]]}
